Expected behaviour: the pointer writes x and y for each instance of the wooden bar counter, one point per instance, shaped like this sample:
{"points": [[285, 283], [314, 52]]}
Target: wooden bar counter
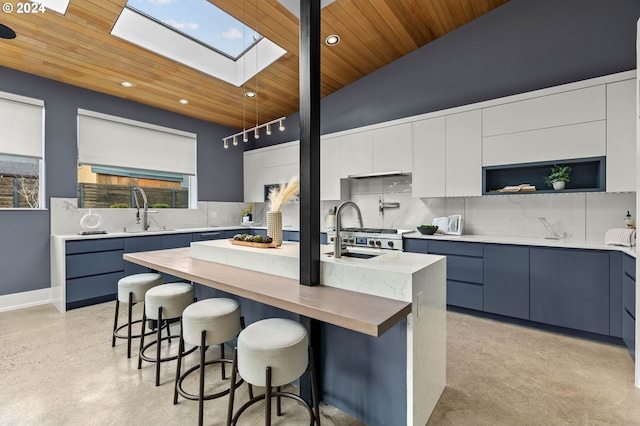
{"points": [[364, 313]]}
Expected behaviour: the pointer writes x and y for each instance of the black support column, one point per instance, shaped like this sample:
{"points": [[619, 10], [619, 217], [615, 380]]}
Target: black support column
{"points": [[310, 169]]}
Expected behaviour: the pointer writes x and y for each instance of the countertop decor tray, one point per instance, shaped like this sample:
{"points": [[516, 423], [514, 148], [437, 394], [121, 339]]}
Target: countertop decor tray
{"points": [[252, 244]]}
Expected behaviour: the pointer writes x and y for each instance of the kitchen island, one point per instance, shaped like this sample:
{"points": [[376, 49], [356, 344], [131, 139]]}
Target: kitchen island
{"points": [[396, 378]]}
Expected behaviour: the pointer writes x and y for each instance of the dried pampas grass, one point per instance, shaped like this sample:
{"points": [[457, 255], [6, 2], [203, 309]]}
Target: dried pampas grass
{"points": [[282, 194]]}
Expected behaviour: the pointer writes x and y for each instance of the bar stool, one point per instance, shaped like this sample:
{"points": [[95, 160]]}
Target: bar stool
{"points": [[272, 353], [205, 323], [131, 290], [163, 303]]}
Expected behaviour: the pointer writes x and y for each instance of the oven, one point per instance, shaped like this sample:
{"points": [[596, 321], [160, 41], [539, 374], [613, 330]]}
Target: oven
{"points": [[373, 238]]}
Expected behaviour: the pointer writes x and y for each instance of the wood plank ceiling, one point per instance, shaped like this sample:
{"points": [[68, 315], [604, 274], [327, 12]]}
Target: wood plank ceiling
{"points": [[77, 49]]}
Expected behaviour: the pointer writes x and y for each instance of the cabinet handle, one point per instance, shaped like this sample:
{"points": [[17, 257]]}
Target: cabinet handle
{"points": [[209, 234]]}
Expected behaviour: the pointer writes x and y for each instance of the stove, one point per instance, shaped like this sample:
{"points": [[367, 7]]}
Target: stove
{"points": [[376, 238]]}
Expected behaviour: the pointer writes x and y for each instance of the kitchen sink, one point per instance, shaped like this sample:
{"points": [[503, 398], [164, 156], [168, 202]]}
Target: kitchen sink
{"points": [[356, 255]]}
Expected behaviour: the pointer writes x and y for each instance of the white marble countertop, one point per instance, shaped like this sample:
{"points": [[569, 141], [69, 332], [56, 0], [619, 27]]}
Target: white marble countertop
{"points": [[529, 241], [526, 241]]}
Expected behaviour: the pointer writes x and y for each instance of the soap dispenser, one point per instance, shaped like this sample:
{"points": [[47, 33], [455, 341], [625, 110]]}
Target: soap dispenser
{"points": [[628, 220]]}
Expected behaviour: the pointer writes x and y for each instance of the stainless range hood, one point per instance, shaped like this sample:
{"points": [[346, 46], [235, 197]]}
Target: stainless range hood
{"points": [[377, 174]]}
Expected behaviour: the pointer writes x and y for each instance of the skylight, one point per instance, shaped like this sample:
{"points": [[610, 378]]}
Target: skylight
{"points": [[201, 21], [217, 44]]}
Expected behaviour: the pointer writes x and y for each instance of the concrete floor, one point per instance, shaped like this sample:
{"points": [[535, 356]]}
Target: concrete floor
{"points": [[60, 369]]}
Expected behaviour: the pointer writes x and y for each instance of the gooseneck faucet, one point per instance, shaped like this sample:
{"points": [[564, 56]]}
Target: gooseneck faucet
{"points": [[145, 207], [337, 243]]}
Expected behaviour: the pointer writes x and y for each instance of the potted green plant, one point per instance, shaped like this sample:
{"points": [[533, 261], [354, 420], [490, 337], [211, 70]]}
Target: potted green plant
{"points": [[559, 175]]}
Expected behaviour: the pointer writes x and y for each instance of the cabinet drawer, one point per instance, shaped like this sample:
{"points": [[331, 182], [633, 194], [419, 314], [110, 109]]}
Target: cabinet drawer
{"points": [[86, 264], [176, 241], [231, 232], [456, 248], [468, 269], [465, 295], [415, 245], [207, 236], [88, 246], [291, 236], [629, 294], [629, 266], [91, 287]]}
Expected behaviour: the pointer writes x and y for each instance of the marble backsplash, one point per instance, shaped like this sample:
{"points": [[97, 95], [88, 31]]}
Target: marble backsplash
{"points": [[572, 217]]}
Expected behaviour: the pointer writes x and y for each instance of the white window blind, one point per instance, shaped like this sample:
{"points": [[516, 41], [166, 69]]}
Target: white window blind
{"points": [[22, 126], [105, 140]]}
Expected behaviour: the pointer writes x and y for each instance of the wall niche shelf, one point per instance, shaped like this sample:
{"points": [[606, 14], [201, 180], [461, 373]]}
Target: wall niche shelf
{"points": [[587, 175]]}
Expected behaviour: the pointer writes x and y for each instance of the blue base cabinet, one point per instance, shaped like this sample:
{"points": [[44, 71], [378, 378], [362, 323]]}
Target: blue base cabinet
{"points": [[629, 303], [570, 288], [464, 272], [506, 280], [93, 268]]}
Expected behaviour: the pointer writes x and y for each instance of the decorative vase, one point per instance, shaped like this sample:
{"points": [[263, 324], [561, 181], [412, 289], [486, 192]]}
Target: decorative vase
{"points": [[559, 184], [274, 227]]}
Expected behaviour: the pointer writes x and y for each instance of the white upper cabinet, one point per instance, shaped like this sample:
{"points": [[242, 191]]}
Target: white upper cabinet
{"points": [[571, 107], [463, 156], [268, 166], [582, 140], [392, 149], [429, 158], [621, 136], [356, 153], [330, 168]]}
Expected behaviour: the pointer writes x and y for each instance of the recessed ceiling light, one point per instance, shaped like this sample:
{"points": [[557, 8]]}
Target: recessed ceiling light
{"points": [[6, 32], [332, 40], [183, 101], [250, 95], [127, 84]]}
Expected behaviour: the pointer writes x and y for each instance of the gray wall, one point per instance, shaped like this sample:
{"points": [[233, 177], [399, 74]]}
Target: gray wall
{"points": [[521, 46], [24, 235]]}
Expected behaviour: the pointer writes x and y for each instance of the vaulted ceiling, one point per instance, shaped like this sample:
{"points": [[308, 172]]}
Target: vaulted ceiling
{"points": [[76, 48]]}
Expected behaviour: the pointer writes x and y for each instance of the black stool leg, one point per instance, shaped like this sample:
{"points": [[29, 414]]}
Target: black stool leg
{"points": [[314, 387], [158, 344], [267, 397], [224, 373], [144, 329], [232, 388], [278, 401], [179, 366], [203, 349], [115, 324], [129, 310]]}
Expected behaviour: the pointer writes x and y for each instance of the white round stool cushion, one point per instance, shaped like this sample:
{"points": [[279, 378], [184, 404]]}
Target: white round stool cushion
{"points": [[138, 284], [172, 297], [278, 343], [219, 317]]}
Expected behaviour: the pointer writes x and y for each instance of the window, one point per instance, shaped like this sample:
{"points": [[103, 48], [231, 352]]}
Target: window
{"points": [[21, 152], [115, 155]]}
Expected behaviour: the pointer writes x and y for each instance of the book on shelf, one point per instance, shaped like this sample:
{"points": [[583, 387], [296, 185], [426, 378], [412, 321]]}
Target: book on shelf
{"points": [[524, 187]]}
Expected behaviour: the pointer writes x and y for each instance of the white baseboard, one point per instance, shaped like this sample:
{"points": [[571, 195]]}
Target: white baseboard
{"points": [[10, 302]]}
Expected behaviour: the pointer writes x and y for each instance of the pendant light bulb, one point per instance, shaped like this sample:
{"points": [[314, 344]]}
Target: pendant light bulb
{"points": [[226, 144], [235, 140], [245, 137], [281, 128], [269, 129], [256, 133]]}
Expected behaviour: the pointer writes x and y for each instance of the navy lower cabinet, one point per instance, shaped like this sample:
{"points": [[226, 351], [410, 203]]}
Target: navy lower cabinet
{"points": [[465, 274], [93, 268], [629, 303], [207, 236], [137, 244], [506, 280], [570, 288]]}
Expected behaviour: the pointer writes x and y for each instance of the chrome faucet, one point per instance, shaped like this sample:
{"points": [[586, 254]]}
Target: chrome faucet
{"points": [[337, 243], [145, 207]]}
